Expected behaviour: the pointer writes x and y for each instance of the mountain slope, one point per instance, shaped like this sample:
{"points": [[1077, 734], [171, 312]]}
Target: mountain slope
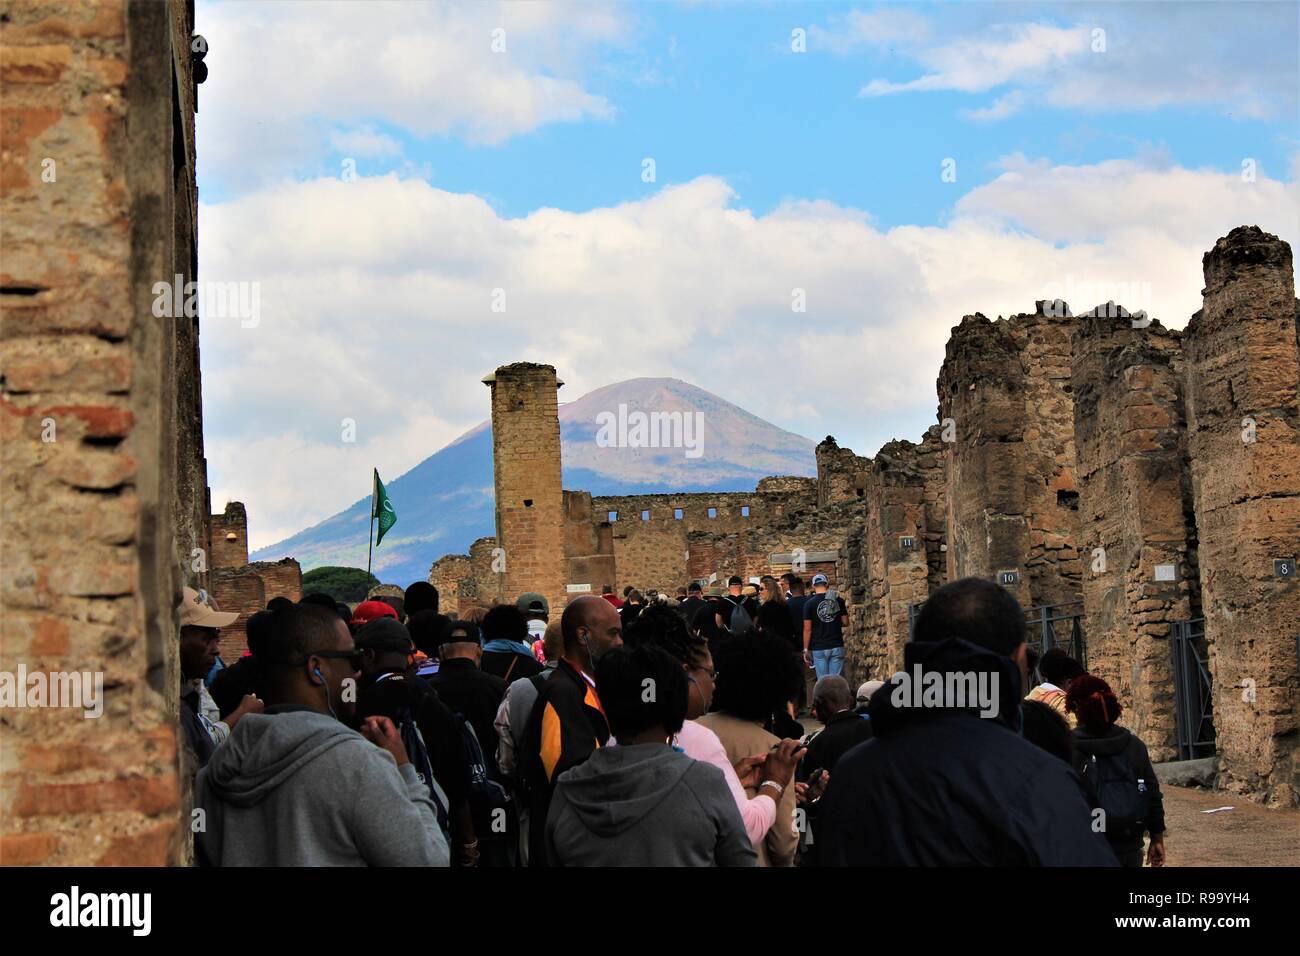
{"points": [[444, 503]]}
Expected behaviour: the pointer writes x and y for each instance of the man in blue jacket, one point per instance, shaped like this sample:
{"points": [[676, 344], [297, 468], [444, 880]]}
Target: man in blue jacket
{"points": [[947, 780]]}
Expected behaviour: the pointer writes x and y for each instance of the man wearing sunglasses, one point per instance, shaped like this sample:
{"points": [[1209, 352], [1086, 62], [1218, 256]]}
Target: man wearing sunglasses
{"points": [[295, 786]]}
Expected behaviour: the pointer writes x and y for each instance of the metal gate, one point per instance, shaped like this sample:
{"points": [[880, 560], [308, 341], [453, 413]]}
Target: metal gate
{"points": [[1047, 626], [1193, 710]]}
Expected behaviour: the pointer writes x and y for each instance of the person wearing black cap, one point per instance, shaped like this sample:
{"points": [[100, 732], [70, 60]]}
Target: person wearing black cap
{"points": [[389, 689], [466, 689]]}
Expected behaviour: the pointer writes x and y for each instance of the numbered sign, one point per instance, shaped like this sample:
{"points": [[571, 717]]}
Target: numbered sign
{"points": [[1008, 578], [1284, 568]]}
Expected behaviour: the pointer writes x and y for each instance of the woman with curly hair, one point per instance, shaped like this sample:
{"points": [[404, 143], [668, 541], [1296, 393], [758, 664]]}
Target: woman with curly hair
{"points": [[756, 677], [1115, 763]]}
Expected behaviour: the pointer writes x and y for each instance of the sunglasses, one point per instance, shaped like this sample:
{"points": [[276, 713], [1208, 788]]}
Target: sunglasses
{"points": [[352, 657]]}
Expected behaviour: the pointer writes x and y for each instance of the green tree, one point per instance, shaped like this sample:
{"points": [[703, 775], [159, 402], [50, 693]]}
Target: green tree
{"points": [[349, 585]]}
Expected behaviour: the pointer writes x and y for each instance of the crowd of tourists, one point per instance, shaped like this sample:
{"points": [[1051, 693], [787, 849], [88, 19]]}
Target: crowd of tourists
{"points": [[649, 729]]}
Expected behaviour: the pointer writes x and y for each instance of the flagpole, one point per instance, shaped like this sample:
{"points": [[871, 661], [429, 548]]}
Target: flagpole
{"points": [[371, 524]]}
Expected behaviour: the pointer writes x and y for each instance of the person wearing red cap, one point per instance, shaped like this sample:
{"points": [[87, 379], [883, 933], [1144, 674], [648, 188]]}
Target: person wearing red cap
{"points": [[368, 611]]}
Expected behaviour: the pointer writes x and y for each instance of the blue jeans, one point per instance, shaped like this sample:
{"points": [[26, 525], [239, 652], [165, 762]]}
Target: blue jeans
{"points": [[829, 662]]}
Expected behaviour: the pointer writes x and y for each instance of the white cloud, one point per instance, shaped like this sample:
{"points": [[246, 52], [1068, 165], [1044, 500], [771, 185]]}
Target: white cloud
{"points": [[1001, 108], [364, 141], [1004, 53], [427, 68], [1102, 58], [376, 305]]}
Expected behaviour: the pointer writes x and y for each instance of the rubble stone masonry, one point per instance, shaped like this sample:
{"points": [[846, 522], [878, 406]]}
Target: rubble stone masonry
{"points": [[1134, 509], [1243, 423]]}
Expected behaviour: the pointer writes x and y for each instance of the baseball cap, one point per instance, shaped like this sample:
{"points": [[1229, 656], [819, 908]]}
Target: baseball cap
{"points": [[199, 610], [867, 689], [367, 611], [383, 634], [819, 579], [715, 590], [532, 601]]}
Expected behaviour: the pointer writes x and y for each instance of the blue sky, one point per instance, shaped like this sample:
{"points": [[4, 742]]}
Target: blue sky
{"points": [[1108, 157]]}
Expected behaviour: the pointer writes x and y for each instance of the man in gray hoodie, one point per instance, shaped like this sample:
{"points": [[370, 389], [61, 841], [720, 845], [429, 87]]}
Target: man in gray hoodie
{"points": [[643, 802], [296, 787]]}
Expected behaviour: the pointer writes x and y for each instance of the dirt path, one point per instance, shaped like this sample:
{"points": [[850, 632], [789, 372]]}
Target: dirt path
{"points": [[1246, 835]]}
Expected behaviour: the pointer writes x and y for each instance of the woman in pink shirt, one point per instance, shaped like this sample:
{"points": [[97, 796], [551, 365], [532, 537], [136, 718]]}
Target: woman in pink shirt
{"points": [[773, 772]]}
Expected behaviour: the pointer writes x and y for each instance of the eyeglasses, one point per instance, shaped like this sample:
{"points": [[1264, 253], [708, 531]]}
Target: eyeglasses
{"points": [[352, 657]]}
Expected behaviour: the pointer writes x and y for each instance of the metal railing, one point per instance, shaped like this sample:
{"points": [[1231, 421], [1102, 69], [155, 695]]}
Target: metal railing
{"points": [[1047, 626], [1193, 706]]}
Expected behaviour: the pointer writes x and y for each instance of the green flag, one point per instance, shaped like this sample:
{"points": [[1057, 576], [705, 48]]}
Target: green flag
{"points": [[382, 509]]}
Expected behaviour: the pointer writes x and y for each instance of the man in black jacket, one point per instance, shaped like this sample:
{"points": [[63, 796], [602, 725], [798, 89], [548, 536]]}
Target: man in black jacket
{"points": [[947, 780], [466, 690]]}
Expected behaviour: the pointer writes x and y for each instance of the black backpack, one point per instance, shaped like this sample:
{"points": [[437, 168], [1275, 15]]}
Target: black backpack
{"points": [[1120, 793], [418, 754], [740, 622], [493, 813]]}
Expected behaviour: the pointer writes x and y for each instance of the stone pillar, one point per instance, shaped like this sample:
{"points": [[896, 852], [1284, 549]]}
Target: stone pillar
{"points": [[1243, 422], [897, 570], [982, 387], [838, 474], [1051, 497], [529, 493], [1135, 514]]}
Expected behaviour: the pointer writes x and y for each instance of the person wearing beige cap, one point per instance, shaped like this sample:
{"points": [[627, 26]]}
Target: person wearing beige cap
{"points": [[201, 624]]}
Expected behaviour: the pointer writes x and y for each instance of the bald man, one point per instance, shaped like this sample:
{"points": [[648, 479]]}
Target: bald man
{"points": [[567, 723], [833, 702]]}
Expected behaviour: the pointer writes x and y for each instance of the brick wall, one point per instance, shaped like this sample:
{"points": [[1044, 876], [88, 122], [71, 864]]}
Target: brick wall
{"points": [[228, 551], [526, 469], [101, 456]]}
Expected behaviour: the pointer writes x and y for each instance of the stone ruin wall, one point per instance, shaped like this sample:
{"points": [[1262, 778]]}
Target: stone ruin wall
{"points": [[99, 517], [228, 552], [1134, 510], [1243, 436]]}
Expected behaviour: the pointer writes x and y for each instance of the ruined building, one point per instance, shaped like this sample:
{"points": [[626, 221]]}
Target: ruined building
{"points": [[1136, 488]]}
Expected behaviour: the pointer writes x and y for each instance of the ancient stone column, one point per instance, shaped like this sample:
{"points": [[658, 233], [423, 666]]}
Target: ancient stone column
{"points": [[1135, 534], [1243, 422], [526, 468], [982, 388]]}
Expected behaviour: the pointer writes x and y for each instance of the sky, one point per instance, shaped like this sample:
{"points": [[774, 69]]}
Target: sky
{"points": [[787, 204]]}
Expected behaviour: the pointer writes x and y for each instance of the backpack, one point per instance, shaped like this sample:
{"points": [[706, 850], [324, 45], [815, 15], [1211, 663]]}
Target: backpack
{"points": [[418, 754], [740, 622], [1120, 793], [490, 806]]}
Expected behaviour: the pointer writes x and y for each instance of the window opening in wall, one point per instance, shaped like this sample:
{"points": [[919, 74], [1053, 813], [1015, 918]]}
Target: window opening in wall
{"points": [[528, 502], [713, 512], [744, 511], [645, 516], [612, 516], [677, 513]]}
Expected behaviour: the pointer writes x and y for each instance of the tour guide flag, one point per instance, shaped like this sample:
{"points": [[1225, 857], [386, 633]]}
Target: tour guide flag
{"points": [[382, 509]]}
